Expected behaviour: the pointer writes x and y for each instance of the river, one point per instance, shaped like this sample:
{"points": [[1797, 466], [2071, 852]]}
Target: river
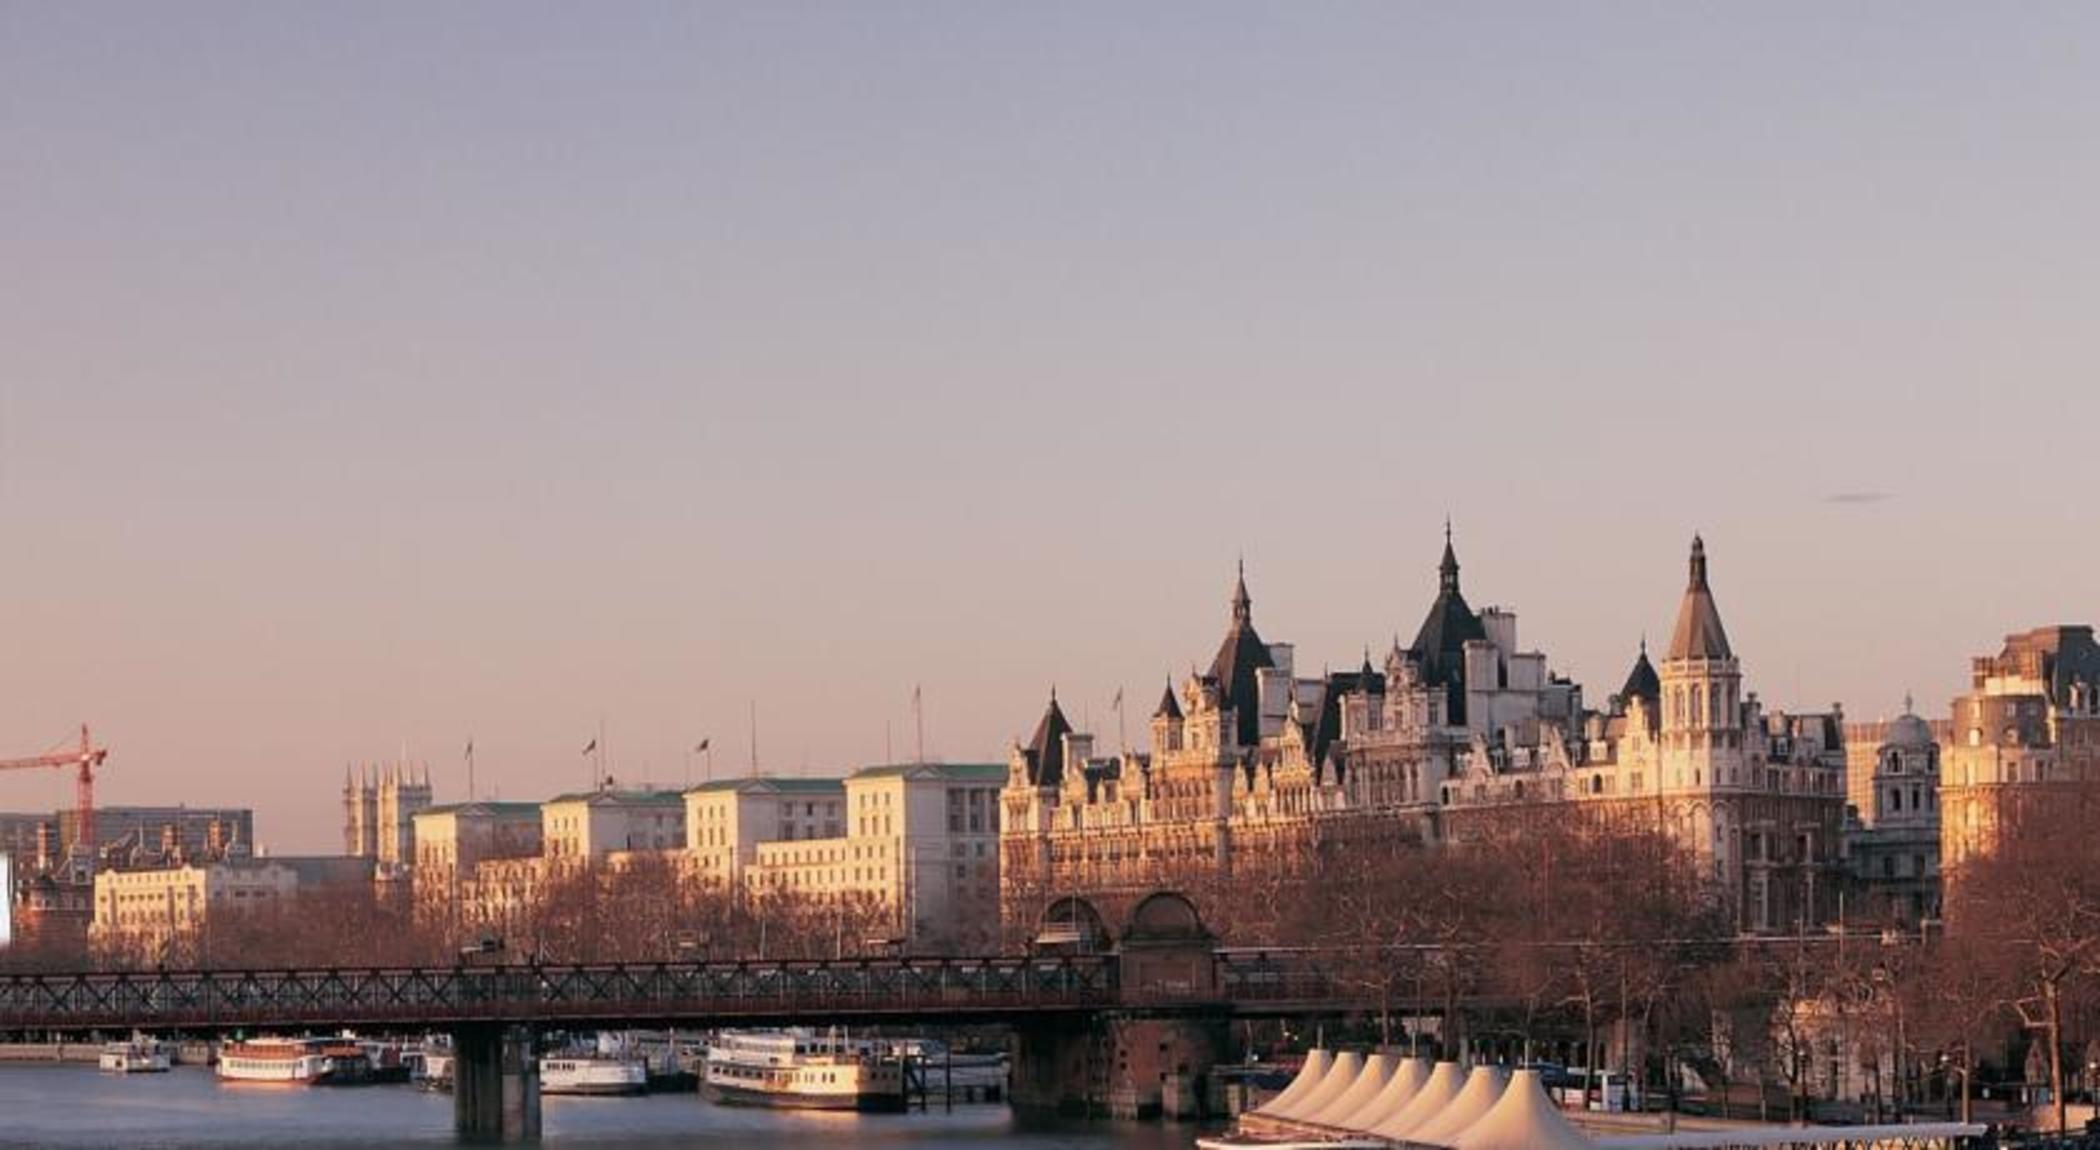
{"points": [[189, 1109]]}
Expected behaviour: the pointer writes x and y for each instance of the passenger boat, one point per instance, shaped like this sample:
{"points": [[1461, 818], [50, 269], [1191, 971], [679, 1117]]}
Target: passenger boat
{"points": [[593, 1074], [799, 1068], [296, 1062], [138, 1056]]}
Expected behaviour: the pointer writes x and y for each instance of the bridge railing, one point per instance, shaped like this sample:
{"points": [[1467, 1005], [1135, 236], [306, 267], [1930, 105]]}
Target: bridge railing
{"points": [[1284, 975], [843, 988]]}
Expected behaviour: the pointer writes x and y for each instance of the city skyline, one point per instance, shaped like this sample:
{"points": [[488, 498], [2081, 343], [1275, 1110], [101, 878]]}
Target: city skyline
{"points": [[395, 377]]}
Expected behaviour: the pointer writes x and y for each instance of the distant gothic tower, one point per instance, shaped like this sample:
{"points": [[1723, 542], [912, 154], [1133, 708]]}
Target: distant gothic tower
{"points": [[379, 808]]}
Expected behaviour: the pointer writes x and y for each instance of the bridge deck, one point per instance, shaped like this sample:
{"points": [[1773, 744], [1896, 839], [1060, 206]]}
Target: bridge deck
{"points": [[217, 1000]]}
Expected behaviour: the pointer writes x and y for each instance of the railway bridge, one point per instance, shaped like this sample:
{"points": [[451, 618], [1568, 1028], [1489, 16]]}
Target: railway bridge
{"points": [[1098, 1021]]}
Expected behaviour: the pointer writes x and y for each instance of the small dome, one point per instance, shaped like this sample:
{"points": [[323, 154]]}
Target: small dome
{"points": [[1908, 731]]}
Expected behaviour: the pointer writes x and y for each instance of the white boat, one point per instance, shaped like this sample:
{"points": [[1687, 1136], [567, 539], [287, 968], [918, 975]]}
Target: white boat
{"points": [[431, 1067], [592, 1074], [138, 1056], [802, 1069], [295, 1062]]}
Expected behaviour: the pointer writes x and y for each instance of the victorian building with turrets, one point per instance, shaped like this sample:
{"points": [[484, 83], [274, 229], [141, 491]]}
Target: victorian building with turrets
{"points": [[1252, 769]]}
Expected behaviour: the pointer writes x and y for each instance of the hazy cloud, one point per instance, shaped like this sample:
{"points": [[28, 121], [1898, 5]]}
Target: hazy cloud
{"points": [[1859, 497]]}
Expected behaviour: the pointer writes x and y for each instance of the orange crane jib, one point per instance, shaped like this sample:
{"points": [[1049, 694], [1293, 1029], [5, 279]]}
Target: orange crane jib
{"points": [[86, 757]]}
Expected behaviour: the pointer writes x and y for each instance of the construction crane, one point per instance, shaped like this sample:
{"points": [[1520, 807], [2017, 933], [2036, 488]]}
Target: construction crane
{"points": [[87, 757]]}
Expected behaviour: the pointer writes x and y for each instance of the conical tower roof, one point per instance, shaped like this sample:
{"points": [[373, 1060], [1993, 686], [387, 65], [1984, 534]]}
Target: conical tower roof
{"points": [[1642, 682], [1046, 748], [1240, 660], [1440, 644], [1169, 706], [1699, 634]]}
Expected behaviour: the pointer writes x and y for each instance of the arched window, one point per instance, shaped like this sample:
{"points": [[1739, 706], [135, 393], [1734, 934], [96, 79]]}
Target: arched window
{"points": [[1698, 707]]}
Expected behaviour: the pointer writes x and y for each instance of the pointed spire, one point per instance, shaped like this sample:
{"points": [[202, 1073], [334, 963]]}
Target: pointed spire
{"points": [[1699, 634], [1169, 706], [1907, 709], [1448, 569], [1242, 603]]}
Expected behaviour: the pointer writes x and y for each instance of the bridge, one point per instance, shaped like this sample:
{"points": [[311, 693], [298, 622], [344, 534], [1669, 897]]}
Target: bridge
{"points": [[1161, 996], [849, 991]]}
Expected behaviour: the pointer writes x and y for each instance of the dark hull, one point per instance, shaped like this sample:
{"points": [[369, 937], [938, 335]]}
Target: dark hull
{"points": [[780, 1100]]}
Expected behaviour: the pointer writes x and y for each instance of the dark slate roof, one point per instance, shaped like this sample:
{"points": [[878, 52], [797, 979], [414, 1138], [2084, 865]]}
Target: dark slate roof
{"points": [[1326, 728], [1238, 666], [2068, 655], [1169, 706], [1642, 682], [1046, 748], [1441, 643], [1699, 634]]}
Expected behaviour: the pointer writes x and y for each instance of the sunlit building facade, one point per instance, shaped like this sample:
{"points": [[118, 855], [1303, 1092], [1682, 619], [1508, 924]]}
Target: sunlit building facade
{"points": [[1253, 767]]}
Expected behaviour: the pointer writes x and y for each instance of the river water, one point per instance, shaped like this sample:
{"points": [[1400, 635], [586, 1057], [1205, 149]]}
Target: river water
{"points": [[189, 1109]]}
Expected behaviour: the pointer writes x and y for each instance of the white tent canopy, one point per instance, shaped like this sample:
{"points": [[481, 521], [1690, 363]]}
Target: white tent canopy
{"points": [[1483, 1089], [1399, 1090], [1442, 1086], [1340, 1076], [1921, 1134], [1524, 1119], [1309, 1075], [1378, 1069]]}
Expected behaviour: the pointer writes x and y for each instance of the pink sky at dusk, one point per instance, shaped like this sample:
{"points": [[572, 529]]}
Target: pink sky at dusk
{"points": [[386, 376]]}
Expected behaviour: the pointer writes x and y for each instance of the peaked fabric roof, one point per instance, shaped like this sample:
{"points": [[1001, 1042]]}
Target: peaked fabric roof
{"points": [[1483, 1089], [1400, 1090], [1239, 663], [1310, 1074], [1445, 1080], [1524, 1119], [1046, 748], [1377, 1070], [1441, 643], [1341, 1075], [1699, 634]]}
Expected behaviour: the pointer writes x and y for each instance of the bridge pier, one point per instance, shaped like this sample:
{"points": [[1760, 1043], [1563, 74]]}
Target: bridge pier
{"points": [[495, 1084], [1124, 1067]]}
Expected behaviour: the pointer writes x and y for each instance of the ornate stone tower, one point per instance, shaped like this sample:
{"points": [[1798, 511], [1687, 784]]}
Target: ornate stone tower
{"points": [[1702, 687]]}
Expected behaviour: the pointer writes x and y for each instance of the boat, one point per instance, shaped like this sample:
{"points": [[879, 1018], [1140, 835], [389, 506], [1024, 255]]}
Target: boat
{"points": [[602, 1074], [295, 1062], [801, 1069], [138, 1056], [389, 1061]]}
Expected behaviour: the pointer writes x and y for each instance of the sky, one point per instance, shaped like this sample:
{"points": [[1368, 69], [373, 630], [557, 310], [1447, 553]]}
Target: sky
{"points": [[378, 377]]}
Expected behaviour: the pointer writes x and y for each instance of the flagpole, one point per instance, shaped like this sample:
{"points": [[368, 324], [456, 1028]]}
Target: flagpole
{"points": [[754, 738], [1122, 738], [918, 715], [470, 768]]}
